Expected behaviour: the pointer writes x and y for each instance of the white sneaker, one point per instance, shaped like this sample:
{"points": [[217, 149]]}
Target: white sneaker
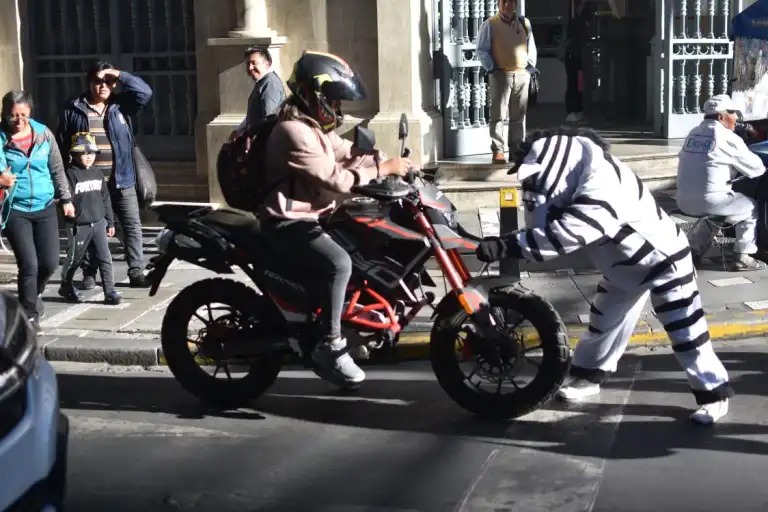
{"points": [[571, 118], [335, 365], [708, 414], [577, 389]]}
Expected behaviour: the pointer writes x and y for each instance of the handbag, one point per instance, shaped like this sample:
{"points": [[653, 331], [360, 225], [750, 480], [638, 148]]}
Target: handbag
{"points": [[146, 184], [533, 88]]}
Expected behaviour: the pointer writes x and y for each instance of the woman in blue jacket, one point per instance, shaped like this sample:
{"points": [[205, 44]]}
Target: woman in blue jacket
{"points": [[32, 176]]}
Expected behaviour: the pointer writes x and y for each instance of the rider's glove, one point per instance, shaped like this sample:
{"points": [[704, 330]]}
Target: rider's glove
{"points": [[495, 249]]}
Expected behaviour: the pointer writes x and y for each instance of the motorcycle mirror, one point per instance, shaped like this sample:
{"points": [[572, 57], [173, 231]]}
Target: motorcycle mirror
{"points": [[365, 140], [403, 128]]}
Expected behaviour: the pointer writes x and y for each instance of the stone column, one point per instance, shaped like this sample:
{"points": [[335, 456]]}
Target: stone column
{"points": [[252, 19], [406, 78], [234, 84]]}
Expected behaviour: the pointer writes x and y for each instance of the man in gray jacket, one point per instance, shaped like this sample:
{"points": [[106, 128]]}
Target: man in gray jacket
{"points": [[268, 92]]}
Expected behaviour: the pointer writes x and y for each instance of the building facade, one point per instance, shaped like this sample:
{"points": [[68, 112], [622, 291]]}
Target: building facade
{"points": [[652, 65]]}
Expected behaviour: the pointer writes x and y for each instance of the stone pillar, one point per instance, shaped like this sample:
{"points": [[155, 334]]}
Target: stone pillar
{"points": [[405, 79], [252, 19], [234, 84]]}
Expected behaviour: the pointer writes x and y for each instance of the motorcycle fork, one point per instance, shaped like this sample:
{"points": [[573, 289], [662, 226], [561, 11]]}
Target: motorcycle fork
{"points": [[457, 273]]}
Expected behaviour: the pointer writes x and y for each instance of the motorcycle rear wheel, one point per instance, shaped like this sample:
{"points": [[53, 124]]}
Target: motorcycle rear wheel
{"points": [[263, 371], [552, 370]]}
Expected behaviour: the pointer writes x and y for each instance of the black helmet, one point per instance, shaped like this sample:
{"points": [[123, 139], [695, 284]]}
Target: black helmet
{"points": [[321, 81]]}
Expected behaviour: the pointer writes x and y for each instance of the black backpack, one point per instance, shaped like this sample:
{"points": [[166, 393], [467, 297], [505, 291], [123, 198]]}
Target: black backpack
{"points": [[238, 168]]}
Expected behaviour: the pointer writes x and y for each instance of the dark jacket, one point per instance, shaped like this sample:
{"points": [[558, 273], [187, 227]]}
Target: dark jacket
{"points": [[265, 99], [39, 176], [89, 195], [136, 93]]}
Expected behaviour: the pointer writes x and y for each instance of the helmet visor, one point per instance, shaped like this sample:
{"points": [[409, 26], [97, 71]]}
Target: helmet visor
{"points": [[347, 88]]}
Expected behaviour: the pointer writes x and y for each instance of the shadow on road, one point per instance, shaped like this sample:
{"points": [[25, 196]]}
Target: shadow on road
{"points": [[652, 423]]}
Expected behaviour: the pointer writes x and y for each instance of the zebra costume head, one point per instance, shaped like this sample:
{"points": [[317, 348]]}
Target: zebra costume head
{"points": [[545, 163], [529, 159]]}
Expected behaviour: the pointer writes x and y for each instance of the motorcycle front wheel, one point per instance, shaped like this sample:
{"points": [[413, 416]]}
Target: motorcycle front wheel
{"points": [[502, 386], [194, 331]]}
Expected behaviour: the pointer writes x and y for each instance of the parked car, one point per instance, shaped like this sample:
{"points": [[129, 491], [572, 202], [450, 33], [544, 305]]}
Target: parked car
{"points": [[33, 431]]}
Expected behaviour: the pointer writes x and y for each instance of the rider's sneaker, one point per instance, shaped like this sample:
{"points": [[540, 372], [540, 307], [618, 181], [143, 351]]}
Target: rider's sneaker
{"points": [[708, 414], [577, 389], [335, 365]]}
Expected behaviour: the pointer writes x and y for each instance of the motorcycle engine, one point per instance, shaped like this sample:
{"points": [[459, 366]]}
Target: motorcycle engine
{"points": [[360, 346]]}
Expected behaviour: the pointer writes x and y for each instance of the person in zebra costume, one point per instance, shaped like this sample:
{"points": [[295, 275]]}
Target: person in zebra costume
{"points": [[577, 195]]}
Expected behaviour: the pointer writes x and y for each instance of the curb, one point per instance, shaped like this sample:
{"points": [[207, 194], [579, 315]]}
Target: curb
{"points": [[413, 345]]}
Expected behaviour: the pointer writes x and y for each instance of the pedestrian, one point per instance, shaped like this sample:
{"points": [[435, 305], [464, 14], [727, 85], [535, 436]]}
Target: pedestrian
{"points": [[571, 53], [577, 195], [32, 178], [93, 224], [268, 92], [507, 51], [106, 114]]}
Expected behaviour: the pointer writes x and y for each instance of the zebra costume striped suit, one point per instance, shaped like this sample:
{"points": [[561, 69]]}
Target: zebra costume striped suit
{"points": [[579, 196]]}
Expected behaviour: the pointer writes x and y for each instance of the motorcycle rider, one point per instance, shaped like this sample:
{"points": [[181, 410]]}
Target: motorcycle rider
{"points": [[307, 169], [711, 157], [577, 195]]}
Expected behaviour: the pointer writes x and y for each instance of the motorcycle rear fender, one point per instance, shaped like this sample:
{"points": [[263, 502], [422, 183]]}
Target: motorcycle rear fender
{"points": [[475, 293]]}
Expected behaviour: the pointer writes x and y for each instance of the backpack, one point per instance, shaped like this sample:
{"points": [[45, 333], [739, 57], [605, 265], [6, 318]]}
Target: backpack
{"points": [[238, 167]]}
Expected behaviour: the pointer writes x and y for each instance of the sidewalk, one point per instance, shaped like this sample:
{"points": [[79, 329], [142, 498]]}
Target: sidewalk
{"points": [[736, 304]]}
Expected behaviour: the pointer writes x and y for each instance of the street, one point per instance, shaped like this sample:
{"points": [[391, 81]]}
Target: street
{"points": [[401, 445]]}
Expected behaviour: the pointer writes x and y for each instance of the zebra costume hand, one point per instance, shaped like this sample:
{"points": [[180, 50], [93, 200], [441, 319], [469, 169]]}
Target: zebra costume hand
{"points": [[495, 249]]}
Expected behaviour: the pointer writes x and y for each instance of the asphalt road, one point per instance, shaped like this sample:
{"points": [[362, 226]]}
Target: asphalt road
{"points": [[400, 445]]}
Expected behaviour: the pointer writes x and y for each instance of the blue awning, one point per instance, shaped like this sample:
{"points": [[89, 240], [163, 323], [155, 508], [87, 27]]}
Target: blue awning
{"points": [[752, 22]]}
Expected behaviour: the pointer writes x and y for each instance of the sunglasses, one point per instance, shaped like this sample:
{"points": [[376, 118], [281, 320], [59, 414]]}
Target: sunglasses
{"points": [[104, 81]]}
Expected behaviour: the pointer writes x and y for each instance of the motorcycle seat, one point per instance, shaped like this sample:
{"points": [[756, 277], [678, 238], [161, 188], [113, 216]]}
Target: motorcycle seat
{"points": [[237, 223]]}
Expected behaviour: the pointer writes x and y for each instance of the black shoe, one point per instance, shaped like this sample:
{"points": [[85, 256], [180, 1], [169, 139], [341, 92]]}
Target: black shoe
{"points": [[40, 307], [69, 294], [89, 282], [112, 298], [138, 281]]}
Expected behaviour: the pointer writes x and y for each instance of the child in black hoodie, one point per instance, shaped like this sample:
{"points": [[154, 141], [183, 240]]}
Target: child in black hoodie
{"points": [[92, 224]]}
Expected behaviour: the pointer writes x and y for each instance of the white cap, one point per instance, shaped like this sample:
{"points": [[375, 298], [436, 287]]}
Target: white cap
{"points": [[719, 104]]}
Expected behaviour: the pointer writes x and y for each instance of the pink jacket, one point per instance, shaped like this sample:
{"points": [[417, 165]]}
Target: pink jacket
{"points": [[317, 169]]}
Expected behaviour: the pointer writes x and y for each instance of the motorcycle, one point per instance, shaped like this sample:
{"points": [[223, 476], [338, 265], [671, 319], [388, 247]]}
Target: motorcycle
{"points": [[391, 228]]}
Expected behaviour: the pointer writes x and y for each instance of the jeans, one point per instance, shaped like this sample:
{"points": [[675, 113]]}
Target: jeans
{"points": [[34, 239], [84, 238], [305, 246], [125, 206]]}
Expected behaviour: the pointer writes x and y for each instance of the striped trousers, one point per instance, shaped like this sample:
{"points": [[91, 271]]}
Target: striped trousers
{"points": [[675, 300]]}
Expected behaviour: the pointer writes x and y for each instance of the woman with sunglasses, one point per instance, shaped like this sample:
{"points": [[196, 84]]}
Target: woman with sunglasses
{"points": [[105, 113], [32, 177]]}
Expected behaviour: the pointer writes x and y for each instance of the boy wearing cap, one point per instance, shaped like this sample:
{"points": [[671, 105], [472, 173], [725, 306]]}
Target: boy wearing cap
{"points": [[579, 196], [711, 158], [93, 223]]}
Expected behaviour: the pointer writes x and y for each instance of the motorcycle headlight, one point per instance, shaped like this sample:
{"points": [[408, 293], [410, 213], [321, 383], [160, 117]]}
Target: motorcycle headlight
{"points": [[451, 217], [18, 346]]}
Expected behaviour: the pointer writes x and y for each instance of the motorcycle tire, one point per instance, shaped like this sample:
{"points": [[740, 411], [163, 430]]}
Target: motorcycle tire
{"points": [[193, 378], [551, 373]]}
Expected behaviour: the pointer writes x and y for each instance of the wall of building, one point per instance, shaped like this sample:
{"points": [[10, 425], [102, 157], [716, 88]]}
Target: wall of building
{"points": [[347, 28], [11, 65]]}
